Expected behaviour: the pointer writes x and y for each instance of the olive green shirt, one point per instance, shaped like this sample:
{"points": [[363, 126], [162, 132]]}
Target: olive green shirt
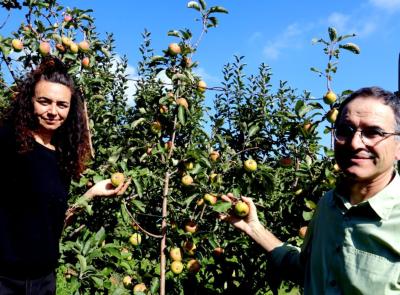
{"points": [[348, 249]]}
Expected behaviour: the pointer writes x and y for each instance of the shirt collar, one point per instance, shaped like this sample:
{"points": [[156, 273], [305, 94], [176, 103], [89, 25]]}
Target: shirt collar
{"points": [[384, 201], [381, 203]]}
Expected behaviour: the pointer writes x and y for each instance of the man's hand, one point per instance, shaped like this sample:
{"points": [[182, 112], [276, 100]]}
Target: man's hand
{"points": [[251, 225], [246, 224]]}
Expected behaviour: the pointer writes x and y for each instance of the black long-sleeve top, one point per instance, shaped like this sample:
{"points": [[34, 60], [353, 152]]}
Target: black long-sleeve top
{"points": [[33, 201]]}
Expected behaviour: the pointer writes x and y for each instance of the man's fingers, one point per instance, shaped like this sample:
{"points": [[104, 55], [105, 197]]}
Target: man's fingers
{"points": [[226, 198], [124, 187]]}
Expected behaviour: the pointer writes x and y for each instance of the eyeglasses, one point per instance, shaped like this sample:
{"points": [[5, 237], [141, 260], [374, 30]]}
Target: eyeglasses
{"points": [[369, 137]]}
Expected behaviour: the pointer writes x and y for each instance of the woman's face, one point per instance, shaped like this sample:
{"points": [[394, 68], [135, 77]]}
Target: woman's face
{"points": [[51, 105]]}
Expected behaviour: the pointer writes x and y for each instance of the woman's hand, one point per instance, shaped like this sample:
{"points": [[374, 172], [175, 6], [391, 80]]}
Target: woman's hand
{"points": [[105, 188]]}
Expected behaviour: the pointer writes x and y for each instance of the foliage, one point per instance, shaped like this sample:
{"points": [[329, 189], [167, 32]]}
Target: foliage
{"points": [[155, 138]]}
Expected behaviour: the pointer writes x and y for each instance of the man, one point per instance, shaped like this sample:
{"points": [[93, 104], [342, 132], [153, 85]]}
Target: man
{"points": [[353, 241]]}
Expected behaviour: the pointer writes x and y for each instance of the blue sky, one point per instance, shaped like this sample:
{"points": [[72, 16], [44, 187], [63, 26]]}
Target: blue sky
{"points": [[278, 33]]}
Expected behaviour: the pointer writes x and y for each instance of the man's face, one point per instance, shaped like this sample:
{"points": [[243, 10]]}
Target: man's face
{"points": [[51, 105], [361, 162]]}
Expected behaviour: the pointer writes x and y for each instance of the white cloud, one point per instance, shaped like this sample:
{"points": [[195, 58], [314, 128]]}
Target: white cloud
{"points": [[349, 24], [132, 82], [339, 21], [255, 37], [201, 72], [291, 37], [163, 78], [389, 5]]}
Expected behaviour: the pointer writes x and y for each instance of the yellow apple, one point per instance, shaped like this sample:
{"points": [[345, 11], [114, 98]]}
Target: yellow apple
{"points": [[191, 227], [17, 45], [201, 86], [73, 47], [189, 165], [187, 180], [250, 165], [117, 178], [66, 41], [127, 281], [176, 267], [139, 288], [214, 156], [84, 46], [182, 102], [241, 209], [331, 116], [135, 239], [210, 199], [306, 127], [175, 254], [44, 48], [330, 97]]}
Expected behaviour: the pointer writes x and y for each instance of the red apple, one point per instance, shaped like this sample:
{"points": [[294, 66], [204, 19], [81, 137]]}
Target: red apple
{"points": [[174, 49]]}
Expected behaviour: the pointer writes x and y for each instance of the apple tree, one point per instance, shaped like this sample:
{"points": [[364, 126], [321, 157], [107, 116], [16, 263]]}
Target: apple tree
{"points": [[181, 155]]}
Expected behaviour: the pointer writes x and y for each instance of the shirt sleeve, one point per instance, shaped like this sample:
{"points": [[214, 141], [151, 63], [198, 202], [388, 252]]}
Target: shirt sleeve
{"points": [[289, 262]]}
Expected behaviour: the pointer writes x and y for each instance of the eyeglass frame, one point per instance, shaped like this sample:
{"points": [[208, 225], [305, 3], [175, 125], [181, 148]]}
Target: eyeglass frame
{"points": [[382, 134]]}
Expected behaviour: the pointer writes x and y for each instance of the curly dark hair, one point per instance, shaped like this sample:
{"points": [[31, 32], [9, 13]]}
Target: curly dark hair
{"points": [[72, 138]]}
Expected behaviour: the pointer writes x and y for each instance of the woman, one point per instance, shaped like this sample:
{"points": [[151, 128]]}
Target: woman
{"points": [[43, 145]]}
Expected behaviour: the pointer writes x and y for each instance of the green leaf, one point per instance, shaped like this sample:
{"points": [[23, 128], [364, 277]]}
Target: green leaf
{"points": [[105, 52], [124, 213], [137, 122], [307, 215], [203, 4], [154, 286], [82, 263], [222, 206], [351, 47], [305, 110], [173, 33], [115, 156], [138, 204], [100, 236], [253, 130], [181, 115], [193, 4], [332, 33], [299, 105], [98, 282], [213, 22], [138, 187], [315, 70], [219, 9], [97, 178], [310, 204]]}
